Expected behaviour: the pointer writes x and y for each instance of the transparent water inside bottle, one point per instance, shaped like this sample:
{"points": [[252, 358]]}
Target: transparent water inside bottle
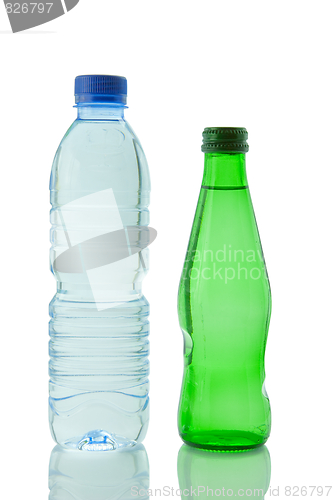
{"points": [[99, 317]]}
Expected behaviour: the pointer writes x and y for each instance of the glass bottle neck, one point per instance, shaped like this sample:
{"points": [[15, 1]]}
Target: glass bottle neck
{"points": [[224, 170], [100, 112]]}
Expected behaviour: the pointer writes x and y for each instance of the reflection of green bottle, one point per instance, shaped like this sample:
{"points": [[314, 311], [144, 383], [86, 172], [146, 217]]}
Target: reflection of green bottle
{"points": [[224, 307], [209, 474]]}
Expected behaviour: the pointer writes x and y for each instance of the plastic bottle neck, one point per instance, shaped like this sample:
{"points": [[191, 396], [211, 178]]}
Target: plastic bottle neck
{"points": [[224, 170], [100, 112]]}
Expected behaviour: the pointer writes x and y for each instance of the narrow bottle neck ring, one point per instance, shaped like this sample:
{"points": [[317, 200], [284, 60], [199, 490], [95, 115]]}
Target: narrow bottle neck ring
{"points": [[224, 170], [110, 111]]}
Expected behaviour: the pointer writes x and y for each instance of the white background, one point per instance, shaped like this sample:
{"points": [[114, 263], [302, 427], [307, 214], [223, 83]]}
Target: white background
{"points": [[263, 65]]}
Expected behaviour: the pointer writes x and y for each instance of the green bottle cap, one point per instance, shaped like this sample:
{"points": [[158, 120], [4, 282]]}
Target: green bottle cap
{"points": [[228, 139]]}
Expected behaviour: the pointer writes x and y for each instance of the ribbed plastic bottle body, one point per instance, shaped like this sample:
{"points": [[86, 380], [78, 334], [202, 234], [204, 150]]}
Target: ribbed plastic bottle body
{"points": [[99, 318]]}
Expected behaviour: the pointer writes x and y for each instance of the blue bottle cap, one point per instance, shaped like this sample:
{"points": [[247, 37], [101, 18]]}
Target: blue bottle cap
{"points": [[100, 88]]}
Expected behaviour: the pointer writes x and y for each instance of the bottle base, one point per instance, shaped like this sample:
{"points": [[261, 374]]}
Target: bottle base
{"points": [[99, 440], [224, 440]]}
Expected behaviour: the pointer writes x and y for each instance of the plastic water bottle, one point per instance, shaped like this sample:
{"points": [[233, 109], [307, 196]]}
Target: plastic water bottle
{"points": [[99, 325], [224, 306]]}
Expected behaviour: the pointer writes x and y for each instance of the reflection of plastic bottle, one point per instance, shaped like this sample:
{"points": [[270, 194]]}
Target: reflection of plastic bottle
{"points": [[99, 318], [245, 474], [224, 307], [121, 474]]}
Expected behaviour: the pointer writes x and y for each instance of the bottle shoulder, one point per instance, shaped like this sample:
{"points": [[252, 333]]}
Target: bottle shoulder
{"points": [[109, 133], [99, 154]]}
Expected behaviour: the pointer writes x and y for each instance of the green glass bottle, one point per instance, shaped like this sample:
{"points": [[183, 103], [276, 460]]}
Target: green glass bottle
{"points": [[224, 306]]}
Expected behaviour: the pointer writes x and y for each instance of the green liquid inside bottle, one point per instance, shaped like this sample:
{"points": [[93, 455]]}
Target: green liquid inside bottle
{"points": [[224, 305]]}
